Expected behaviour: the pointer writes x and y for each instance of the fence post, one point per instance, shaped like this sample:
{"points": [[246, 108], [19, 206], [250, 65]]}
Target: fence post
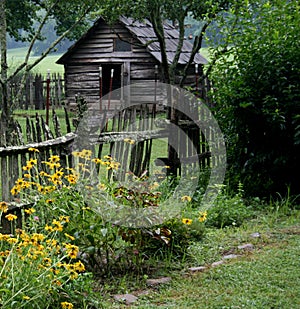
{"points": [[48, 97]]}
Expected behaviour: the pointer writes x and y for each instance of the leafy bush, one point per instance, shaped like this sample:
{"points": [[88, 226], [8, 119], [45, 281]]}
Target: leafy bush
{"points": [[258, 98], [228, 211]]}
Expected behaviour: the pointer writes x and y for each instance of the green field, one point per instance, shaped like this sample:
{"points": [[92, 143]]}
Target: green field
{"points": [[17, 55]]}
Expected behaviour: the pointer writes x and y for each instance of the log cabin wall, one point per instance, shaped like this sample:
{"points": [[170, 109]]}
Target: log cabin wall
{"points": [[99, 49]]}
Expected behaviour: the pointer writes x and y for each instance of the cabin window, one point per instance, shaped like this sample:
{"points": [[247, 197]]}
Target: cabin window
{"points": [[121, 46]]}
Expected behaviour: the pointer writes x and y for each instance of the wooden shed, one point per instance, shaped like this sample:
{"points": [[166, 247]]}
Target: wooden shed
{"points": [[129, 48]]}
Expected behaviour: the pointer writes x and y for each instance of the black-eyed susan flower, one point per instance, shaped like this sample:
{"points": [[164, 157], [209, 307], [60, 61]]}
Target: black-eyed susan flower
{"points": [[186, 198], [97, 161], [202, 216], [29, 211], [66, 305], [72, 179], [31, 163], [11, 217], [33, 149], [25, 297], [187, 221], [101, 186], [71, 250], [69, 236], [54, 159], [15, 190], [3, 207], [57, 226], [129, 141], [65, 219]]}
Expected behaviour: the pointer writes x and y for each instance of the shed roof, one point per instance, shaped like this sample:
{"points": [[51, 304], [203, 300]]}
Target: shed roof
{"points": [[144, 33]]}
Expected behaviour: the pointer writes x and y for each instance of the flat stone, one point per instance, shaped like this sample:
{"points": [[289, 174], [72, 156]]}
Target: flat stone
{"points": [[158, 281], [215, 264], [197, 269], [246, 247], [230, 256], [128, 299], [255, 235]]}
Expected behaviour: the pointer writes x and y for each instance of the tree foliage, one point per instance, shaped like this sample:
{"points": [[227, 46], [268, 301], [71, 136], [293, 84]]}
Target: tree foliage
{"points": [[258, 97], [176, 12]]}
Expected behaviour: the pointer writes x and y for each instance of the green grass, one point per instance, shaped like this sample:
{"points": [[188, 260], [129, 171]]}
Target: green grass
{"points": [[265, 278], [16, 56]]}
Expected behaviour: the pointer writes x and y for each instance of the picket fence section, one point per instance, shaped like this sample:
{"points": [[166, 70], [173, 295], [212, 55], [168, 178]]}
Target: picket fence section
{"points": [[34, 92]]}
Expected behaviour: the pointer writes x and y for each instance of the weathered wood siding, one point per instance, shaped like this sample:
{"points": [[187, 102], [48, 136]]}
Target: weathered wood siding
{"points": [[82, 67]]}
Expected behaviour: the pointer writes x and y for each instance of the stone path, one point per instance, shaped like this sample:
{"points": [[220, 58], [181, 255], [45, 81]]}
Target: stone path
{"points": [[129, 299]]}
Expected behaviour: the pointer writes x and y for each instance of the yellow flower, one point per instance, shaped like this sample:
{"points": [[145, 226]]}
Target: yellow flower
{"points": [[11, 217], [52, 165], [187, 221], [57, 225], [33, 149], [97, 161], [186, 198], [12, 240], [72, 179], [31, 163], [25, 297], [27, 176], [29, 211], [69, 236], [66, 305], [54, 159], [26, 168], [129, 141], [79, 266], [72, 251], [85, 154], [64, 218], [3, 207], [49, 228], [19, 182], [42, 173], [203, 216], [101, 186]]}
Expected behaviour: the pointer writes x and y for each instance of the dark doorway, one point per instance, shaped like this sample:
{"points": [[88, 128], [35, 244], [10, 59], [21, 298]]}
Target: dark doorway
{"points": [[113, 83]]}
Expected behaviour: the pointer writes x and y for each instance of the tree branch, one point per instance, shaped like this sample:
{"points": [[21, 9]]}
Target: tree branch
{"points": [[35, 37]]}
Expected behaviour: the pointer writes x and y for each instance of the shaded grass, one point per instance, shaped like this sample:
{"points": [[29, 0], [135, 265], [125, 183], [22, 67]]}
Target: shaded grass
{"points": [[268, 277]]}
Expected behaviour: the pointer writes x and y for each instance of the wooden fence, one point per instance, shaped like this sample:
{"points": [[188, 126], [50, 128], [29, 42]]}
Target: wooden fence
{"points": [[33, 94], [129, 135]]}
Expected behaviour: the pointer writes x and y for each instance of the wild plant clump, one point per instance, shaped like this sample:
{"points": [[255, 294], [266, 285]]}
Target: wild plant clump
{"points": [[64, 240]]}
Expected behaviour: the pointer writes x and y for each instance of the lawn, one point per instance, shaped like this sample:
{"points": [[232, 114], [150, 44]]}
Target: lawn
{"points": [[267, 277]]}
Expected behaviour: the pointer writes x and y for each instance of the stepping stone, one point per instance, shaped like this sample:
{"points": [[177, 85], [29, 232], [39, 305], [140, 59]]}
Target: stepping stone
{"points": [[197, 269], [230, 256], [255, 235], [128, 299], [158, 281], [215, 264], [246, 247]]}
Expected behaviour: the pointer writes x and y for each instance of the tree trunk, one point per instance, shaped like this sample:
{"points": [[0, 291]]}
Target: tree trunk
{"points": [[4, 103]]}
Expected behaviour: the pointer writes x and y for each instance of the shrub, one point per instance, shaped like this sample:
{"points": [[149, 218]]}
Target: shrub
{"points": [[258, 98]]}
